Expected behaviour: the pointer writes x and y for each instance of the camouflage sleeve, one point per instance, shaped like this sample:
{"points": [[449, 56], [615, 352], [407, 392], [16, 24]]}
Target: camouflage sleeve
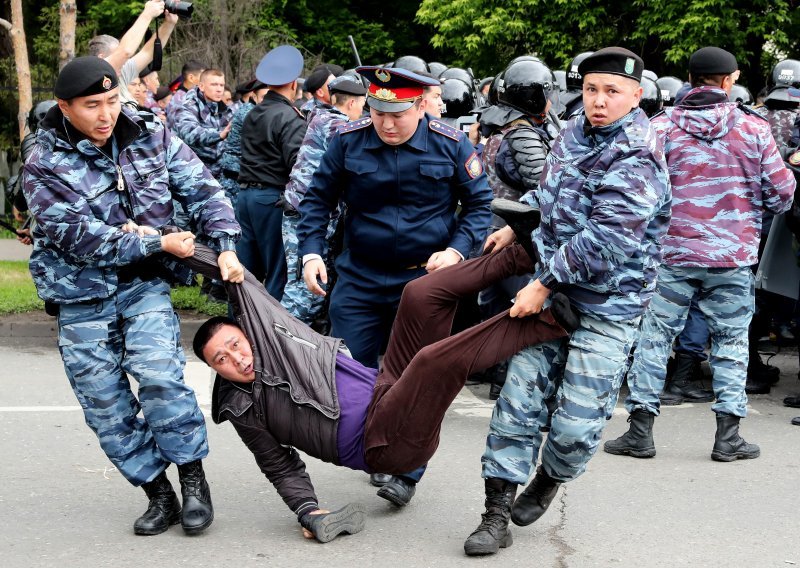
{"points": [[281, 465], [475, 196], [69, 223], [187, 125], [622, 206], [320, 200], [777, 181], [200, 194], [315, 142]]}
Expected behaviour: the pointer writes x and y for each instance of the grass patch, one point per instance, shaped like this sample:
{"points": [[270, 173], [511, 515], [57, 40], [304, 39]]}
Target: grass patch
{"points": [[18, 294]]}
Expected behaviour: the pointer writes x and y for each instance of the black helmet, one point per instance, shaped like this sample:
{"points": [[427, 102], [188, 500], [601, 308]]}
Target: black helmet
{"points": [[412, 63], [784, 75], [669, 86], [437, 68], [524, 58], [575, 79], [741, 94], [649, 74], [527, 86], [561, 79], [651, 101], [38, 113], [458, 73], [492, 97], [457, 98]]}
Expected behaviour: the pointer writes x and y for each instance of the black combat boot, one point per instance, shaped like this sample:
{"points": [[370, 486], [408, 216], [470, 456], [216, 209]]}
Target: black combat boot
{"points": [[682, 383], [164, 508], [379, 479], [522, 219], [534, 501], [399, 490], [760, 376], [728, 444], [198, 513], [493, 532], [327, 526], [498, 380], [637, 442]]}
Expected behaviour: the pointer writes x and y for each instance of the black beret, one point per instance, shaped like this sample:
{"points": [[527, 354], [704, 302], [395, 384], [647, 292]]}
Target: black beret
{"points": [[348, 85], [84, 76], [333, 69], [317, 79], [162, 93], [712, 61], [613, 60]]}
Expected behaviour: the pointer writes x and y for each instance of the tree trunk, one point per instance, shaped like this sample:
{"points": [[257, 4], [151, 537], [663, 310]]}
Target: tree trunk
{"points": [[69, 15], [17, 32]]}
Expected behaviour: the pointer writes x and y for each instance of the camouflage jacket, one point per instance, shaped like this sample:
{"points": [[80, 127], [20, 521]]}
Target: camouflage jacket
{"points": [[605, 202], [313, 106], [725, 171], [320, 131], [174, 104], [198, 122], [80, 197], [229, 162]]}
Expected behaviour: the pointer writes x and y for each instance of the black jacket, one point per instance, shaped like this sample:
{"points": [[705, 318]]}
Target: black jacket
{"points": [[271, 136]]}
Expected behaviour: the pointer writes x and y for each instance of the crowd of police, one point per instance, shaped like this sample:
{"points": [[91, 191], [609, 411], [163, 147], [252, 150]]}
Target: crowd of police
{"points": [[337, 189]]}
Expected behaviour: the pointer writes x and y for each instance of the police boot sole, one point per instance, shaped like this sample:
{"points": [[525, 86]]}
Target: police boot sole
{"points": [[350, 520], [716, 455], [151, 531], [485, 549], [199, 528], [633, 452]]}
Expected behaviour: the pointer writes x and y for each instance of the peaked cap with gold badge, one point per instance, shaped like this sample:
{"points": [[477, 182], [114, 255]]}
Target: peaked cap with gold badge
{"points": [[394, 90]]}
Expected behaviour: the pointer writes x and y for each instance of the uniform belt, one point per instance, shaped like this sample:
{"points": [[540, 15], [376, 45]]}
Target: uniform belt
{"points": [[253, 185], [230, 174]]}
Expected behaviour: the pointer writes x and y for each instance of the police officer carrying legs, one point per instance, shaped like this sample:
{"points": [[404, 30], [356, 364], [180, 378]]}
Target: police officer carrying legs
{"points": [[401, 176], [100, 184]]}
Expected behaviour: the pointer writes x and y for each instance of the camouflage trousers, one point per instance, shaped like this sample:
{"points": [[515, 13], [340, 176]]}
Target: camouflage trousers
{"points": [[134, 333], [582, 374], [726, 298], [297, 300]]}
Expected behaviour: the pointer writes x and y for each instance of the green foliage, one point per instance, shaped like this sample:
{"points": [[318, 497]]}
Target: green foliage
{"points": [[17, 292], [189, 298]]}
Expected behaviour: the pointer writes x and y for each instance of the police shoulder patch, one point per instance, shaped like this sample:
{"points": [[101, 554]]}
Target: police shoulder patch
{"points": [[473, 165], [354, 125], [794, 159], [445, 130]]}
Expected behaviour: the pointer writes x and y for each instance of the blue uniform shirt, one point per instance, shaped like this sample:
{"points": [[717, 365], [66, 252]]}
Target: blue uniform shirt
{"points": [[402, 201]]}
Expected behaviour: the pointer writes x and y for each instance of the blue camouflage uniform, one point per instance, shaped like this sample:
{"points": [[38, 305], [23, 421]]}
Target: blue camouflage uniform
{"points": [[311, 107], [232, 153], [199, 122], [116, 320], [605, 203], [297, 299], [401, 207], [174, 104]]}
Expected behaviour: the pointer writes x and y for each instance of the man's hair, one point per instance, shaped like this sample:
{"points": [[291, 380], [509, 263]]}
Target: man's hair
{"points": [[102, 45], [211, 73], [708, 80], [342, 98], [207, 331], [192, 66]]}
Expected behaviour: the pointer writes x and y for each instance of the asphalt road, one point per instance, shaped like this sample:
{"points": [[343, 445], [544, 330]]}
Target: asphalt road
{"points": [[62, 504]]}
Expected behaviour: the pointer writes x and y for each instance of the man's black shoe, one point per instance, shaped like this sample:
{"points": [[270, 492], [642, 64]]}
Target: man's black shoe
{"points": [[534, 501], [398, 491], [164, 508], [198, 512], [327, 526], [522, 219], [682, 384], [379, 479], [760, 376], [792, 401], [728, 444]]}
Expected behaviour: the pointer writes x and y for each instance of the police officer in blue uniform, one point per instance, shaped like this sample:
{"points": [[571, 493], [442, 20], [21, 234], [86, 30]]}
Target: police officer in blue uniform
{"points": [[402, 176]]}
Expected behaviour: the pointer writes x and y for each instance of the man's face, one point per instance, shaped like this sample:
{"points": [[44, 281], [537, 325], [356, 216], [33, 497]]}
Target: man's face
{"points": [[432, 101], [213, 87], [354, 107], [227, 97], [229, 353], [164, 102], [151, 82], [94, 116], [607, 97], [395, 128], [323, 93], [138, 91], [258, 95]]}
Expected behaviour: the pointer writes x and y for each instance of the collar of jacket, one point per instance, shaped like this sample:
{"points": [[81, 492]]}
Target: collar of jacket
{"points": [[599, 133], [213, 107], [55, 130], [419, 141], [704, 96], [276, 97]]}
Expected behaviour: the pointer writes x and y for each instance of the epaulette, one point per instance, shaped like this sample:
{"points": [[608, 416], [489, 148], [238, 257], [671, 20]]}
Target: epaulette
{"points": [[751, 111], [354, 125], [298, 111], [445, 129]]}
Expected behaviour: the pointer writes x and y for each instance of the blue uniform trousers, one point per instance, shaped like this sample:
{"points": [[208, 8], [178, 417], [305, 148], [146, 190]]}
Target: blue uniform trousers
{"points": [[725, 296], [364, 304], [134, 333], [260, 248], [584, 373], [694, 337]]}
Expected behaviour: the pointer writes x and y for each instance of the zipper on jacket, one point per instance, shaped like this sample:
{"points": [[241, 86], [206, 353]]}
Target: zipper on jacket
{"points": [[286, 333]]}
